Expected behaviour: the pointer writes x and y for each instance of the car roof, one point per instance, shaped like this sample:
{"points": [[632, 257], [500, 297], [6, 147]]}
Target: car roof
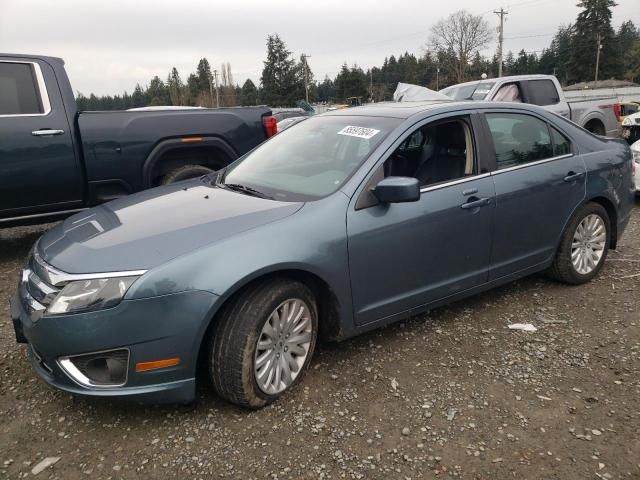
{"points": [[404, 110]]}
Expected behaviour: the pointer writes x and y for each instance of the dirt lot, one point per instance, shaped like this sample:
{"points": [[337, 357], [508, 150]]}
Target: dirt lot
{"points": [[450, 394]]}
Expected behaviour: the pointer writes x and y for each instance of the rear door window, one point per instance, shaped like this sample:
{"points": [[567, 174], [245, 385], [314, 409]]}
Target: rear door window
{"points": [[543, 92], [519, 139], [19, 93]]}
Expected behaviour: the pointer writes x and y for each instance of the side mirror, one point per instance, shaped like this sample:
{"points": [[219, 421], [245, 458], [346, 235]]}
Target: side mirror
{"points": [[397, 190]]}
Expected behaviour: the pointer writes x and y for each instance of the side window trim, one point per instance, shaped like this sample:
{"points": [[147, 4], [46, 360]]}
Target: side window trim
{"points": [[41, 89]]}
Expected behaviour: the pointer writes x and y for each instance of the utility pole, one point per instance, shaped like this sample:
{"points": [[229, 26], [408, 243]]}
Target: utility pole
{"points": [[437, 77], [306, 75], [215, 76], [501, 13], [371, 84], [598, 57], [211, 89]]}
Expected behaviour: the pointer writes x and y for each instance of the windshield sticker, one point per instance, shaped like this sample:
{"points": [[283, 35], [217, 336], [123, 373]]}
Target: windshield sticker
{"points": [[360, 132]]}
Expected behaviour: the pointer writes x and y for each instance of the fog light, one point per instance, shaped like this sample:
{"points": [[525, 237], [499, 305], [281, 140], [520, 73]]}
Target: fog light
{"points": [[101, 369]]}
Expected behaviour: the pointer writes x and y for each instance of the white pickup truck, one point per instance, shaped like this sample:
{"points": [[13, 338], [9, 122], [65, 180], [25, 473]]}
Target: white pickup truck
{"points": [[599, 115]]}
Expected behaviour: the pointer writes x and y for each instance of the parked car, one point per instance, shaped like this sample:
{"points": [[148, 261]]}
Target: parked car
{"points": [[628, 108], [635, 150], [55, 161], [631, 128], [599, 115], [344, 223]]}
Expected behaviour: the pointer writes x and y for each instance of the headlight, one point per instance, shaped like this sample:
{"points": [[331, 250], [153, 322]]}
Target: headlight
{"points": [[87, 295], [627, 122]]}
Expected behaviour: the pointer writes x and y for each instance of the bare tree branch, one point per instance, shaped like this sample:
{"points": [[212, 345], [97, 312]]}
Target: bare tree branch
{"points": [[462, 34]]}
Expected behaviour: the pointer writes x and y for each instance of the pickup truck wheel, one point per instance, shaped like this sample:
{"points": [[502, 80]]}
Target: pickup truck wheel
{"points": [[185, 172], [584, 246], [263, 343]]}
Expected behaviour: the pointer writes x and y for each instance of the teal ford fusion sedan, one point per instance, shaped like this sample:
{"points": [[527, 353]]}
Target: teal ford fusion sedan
{"points": [[340, 224]]}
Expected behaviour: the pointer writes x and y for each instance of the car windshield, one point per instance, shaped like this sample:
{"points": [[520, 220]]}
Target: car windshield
{"points": [[310, 160], [473, 91]]}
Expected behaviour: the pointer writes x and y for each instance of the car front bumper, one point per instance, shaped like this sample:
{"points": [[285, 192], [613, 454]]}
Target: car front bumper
{"points": [[150, 329]]}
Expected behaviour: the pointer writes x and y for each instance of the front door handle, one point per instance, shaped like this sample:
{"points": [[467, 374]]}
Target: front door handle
{"points": [[46, 132], [476, 203], [572, 176]]}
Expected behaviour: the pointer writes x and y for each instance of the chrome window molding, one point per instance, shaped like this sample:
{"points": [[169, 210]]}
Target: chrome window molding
{"points": [[42, 90], [453, 182], [67, 366], [531, 164], [58, 278]]}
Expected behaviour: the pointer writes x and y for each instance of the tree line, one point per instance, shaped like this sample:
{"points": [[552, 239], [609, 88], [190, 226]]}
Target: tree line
{"points": [[453, 56]]}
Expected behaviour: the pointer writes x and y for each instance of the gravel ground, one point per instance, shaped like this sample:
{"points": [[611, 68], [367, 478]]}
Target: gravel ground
{"points": [[451, 394]]}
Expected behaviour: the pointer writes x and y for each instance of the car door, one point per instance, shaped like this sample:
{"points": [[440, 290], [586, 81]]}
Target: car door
{"points": [[407, 255], [539, 180], [38, 167]]}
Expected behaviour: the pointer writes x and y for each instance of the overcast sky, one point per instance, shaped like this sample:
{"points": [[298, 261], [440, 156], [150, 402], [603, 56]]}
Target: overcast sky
{"points": [[109, 46]]}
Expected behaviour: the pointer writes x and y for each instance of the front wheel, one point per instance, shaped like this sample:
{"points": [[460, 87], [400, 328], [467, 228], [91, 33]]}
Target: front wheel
{"points": [[263, 343], [584, 245]]}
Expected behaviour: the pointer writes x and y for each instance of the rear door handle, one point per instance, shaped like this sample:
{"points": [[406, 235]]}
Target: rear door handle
{"points": [[571, 176], [476, 203], [46, 132]]}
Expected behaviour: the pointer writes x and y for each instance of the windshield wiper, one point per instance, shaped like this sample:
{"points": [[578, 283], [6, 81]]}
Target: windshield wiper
{"points": [[247, 190]]}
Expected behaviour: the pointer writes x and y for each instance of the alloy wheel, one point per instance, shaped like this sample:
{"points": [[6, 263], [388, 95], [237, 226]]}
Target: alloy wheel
{"points": [[283, 346], [587, 246]]}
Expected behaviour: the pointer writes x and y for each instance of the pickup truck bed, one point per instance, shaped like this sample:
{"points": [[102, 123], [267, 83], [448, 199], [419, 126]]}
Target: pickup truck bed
{"points": [[55, 161]]}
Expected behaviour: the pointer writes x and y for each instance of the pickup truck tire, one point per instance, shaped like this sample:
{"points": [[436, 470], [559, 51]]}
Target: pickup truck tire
{"points": [[587, 236], [251, 338], [185, 172]]}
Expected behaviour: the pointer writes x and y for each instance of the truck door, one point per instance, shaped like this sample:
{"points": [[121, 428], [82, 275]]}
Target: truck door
{"points": [[38, 168]]}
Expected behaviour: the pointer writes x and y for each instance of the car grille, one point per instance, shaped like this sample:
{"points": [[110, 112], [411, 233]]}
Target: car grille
{"points": [[33, 278]]}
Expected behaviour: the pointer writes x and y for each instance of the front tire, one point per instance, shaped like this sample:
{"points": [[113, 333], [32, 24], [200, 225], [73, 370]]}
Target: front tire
{"points": [[584, 246], [263, 343]]}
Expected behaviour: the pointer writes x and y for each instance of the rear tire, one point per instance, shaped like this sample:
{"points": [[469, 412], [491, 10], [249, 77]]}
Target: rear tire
{"points": [[184, 173], [584, 246], [237, 351]]}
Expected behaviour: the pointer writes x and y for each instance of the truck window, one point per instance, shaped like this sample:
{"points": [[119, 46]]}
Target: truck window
{"points": [[519, 139], [19, 93], [543, 92]]}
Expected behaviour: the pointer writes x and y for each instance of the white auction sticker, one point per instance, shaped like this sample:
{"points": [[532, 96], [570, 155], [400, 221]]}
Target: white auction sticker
{"points": [[360, 132]]}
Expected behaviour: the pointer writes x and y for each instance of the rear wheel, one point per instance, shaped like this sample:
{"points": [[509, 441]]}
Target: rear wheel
{"points": [[184, 173], [263, 343], [584, 245]]}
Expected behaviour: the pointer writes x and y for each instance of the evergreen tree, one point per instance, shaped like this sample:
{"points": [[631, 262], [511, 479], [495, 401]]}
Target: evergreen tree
{"points": [[176, 88], [593, 23], [248, 94], [278, 78]]}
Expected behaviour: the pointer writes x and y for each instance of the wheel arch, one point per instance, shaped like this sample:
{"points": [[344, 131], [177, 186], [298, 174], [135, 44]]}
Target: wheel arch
{"points": [[328, 304], [612, 212], [174, 153]]}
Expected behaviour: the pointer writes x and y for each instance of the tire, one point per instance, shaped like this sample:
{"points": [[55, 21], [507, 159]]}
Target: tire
{"points": [[233, 346], [596, 128], [185, 172], [563, 268]]}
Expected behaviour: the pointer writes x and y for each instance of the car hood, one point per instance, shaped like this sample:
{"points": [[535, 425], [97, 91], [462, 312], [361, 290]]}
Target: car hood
{"points": [[149, 228]]}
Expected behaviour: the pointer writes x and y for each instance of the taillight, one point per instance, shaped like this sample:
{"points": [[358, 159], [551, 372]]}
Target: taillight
{"points": [[617, 110], [270, 126]]}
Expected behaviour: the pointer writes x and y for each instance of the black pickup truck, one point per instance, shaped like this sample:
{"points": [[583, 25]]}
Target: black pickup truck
{"points": [[55, 160]]}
